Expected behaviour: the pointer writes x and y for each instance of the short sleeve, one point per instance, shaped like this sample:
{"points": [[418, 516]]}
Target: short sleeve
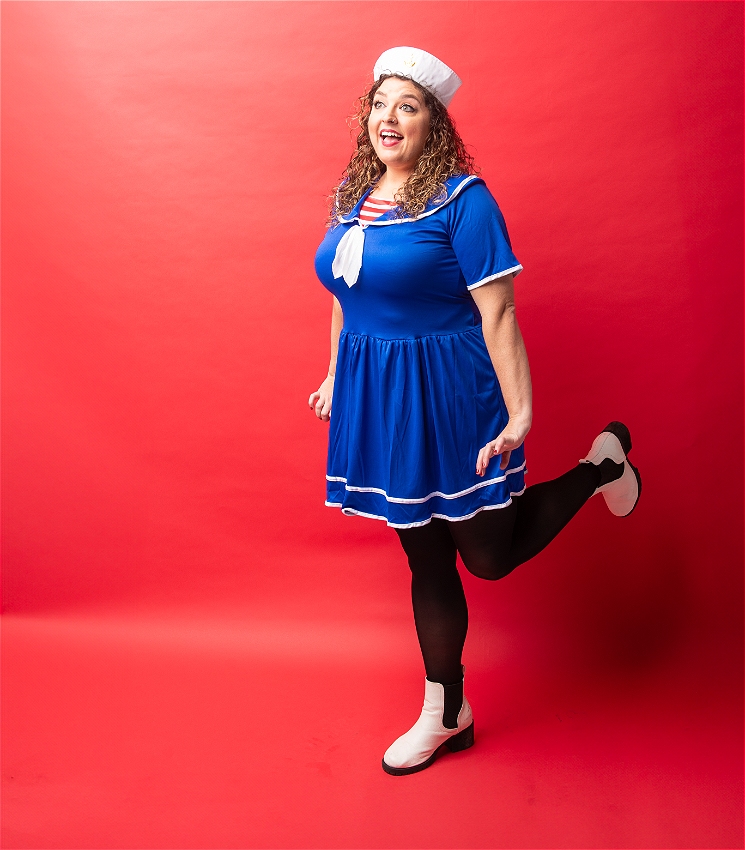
{"points": [[479, 236]]}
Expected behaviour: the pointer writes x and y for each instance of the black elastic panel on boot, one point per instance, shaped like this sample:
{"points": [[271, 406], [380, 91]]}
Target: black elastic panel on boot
{"points": [[453, 703], [609, 471]]}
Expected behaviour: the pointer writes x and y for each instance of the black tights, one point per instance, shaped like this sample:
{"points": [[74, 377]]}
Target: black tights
{"points": [[491, 544]]}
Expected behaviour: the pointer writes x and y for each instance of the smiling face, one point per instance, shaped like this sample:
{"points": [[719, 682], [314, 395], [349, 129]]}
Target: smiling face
{"points": [[399, 124]]}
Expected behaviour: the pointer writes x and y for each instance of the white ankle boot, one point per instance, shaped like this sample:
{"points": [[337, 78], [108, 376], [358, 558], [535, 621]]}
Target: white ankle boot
{"points": [[417, 748], [622, 494]]}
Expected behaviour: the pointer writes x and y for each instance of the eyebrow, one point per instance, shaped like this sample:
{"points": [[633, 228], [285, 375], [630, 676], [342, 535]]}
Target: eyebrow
{"points": [[412, 96]]}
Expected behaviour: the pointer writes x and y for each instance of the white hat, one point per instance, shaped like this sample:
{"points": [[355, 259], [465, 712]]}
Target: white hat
{"points": [[423, 68]]}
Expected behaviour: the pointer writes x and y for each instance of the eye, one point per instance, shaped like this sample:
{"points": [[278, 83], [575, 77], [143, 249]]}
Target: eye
{"points": [[408, 107], [377, 103]]}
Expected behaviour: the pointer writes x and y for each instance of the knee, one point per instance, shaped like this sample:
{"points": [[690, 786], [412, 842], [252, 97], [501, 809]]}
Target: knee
{"points": [[487, 567]]}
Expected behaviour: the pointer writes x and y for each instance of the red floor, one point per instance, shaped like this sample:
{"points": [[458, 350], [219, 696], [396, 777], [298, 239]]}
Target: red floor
{"points": [[186, 733]]}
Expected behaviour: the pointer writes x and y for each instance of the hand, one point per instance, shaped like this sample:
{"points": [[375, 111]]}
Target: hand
{"points": [[512, 437], [320, 400]]}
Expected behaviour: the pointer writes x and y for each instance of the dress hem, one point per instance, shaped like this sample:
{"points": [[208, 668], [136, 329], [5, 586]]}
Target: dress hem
{"points": [[353, 512], [436, 493]]}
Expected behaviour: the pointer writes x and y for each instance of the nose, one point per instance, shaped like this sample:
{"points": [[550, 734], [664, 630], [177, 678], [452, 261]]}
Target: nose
{"points": [[390, 115]]}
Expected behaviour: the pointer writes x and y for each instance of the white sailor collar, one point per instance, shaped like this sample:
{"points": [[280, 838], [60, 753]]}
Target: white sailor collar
{"points": [[453, 187]]}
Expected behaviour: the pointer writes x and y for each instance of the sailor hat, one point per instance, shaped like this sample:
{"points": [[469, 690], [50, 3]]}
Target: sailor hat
{"points": [[423, 68]]}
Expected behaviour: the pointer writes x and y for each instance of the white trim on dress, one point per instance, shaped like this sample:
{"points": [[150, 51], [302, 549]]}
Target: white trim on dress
{"points": [[516, 269], [447, 200], [399, 501], [353, 512]]}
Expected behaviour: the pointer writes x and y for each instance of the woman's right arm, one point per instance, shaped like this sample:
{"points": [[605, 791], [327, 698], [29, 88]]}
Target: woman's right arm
{"points": [[320, 400]]}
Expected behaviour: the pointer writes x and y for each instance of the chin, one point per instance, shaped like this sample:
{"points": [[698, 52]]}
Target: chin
{"points": [[393, 160]]}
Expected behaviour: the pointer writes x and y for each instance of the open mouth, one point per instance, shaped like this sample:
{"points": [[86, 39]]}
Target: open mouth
{"points": [[390, 138]]}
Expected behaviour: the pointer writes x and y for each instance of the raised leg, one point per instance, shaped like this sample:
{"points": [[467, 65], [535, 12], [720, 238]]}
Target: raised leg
{"points": [[494, 542]]}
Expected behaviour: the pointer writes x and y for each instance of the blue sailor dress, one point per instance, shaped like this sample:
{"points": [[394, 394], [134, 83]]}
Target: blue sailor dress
{"points": [[416, 395]]}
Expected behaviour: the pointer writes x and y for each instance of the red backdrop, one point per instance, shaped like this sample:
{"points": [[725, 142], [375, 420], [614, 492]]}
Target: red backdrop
{"points": [[165, 172]]}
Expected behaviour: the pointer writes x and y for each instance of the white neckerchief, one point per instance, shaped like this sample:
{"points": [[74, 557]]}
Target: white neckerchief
{"points": [[348, 258]]}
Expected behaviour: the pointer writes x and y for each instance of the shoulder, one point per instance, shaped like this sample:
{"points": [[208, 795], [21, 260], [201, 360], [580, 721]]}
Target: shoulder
{"points": [[471, 200], [470, 190], [456, 188]]}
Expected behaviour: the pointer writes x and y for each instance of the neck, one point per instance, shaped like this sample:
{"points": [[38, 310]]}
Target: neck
{"points": [[392, 180]]}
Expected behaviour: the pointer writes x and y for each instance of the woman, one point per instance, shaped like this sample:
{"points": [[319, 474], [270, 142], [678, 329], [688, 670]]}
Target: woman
{"points": [[429, 379]]}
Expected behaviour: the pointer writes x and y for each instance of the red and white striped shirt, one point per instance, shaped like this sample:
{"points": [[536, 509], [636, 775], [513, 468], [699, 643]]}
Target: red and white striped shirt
{"points": [[372, 208]]}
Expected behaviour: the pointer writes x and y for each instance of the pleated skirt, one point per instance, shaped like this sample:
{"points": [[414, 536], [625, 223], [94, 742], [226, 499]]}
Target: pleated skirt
{"points": [[409, 417]]}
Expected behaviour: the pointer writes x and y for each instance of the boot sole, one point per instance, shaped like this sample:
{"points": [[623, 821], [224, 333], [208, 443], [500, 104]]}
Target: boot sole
{"points": [[623, 434], [639, 485], [462, 741]]}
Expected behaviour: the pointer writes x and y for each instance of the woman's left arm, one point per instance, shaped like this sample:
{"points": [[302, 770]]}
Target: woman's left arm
{"points": [[496, 303]]}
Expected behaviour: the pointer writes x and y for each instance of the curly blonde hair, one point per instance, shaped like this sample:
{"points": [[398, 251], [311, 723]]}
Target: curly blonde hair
{"points": [[444, 156]]}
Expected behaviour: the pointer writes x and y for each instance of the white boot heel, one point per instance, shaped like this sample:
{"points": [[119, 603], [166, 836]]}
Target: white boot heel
{"points": [[419, 747], [614, 442]]}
